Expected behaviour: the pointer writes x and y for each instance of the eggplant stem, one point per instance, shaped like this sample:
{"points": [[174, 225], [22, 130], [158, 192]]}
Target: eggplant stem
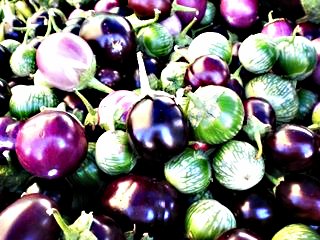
{"points": [[138, 23], [270, 18], [257, 138], [96, 84], [60, 221], [144, 80], [314, 126], [92, 117], [175, 7]]}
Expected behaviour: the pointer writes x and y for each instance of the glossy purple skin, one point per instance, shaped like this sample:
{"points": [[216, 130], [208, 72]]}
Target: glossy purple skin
{"points": [[26, 218], [51, 144], [239, 234], [187, 17], [111, 38], [157, 128], [256, 209], [309, 30], [261, 109], [299, 195], [291, 148], [277, 28], [151, 204], [207, 70], [239, 13], [144, 9], [105, 228], [8, 132]]}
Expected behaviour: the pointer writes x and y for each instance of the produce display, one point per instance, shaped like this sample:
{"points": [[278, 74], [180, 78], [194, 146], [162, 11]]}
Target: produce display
{"points": [[159, 120]]}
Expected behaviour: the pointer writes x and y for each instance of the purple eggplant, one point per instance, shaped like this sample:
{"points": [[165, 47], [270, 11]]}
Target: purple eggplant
{"points": [[157, 128], [5, 95], [104, 227], [277, 27], [239, 234], [152, 205], [291, 148], [299, 196], [26, 218], [257, 209], [51, 144], [239, 14], [260, 119], [9, 128], [207, 70]]}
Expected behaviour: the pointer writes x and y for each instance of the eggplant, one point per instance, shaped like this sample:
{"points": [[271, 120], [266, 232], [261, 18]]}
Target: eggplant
{"points": [[260, 119], [298, 195], [157, 128], [291, 148], [152, 205], [201, 219], [239, 234], [88, 226], [258, 210], [296, 231], [26, 218], [51, 144], [263, 53], [5, 95]]}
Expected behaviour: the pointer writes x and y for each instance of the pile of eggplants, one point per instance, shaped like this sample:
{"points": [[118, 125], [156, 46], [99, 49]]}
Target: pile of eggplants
{"points": [[159, 119]]}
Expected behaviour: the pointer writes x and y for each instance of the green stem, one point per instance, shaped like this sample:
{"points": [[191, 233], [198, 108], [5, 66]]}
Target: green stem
{"points": [[96, 84], [183, 39], [270, 18], [144, 80], [59, 13], [92, 118], [294, 33], [175, 7], [314, 126], [236, 74], [257, 138], [61, 222], [138, 23]]}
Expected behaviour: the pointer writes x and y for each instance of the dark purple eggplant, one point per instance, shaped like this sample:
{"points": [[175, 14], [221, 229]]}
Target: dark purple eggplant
{"points": [[5, 95], [26, 218], [256, 209], [157, 128], [144, 9], [207, 70], [260, 119], [112, 40], [299, 196], [308, 29], [5, 70], [105, 228], [152, 205], [239, 234], [291, 148]]}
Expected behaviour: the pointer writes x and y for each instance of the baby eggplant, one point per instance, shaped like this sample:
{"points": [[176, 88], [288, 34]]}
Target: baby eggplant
{"points": [[291, 148], [299, 195], [151, 204], [26, 218]]}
